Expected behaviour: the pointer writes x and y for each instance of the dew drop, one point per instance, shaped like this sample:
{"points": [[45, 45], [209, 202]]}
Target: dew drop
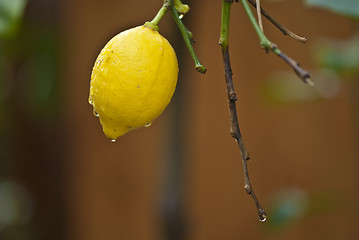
{"points": [[98, 62], [180, 16], [148, 124], [95, 113], [90, 100], [262, 216], [113, 140]]}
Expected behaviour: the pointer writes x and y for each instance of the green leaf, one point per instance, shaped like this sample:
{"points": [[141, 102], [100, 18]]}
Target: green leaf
{"points": [[293, 205], [342, 56], [284, 87], [11, 12], [348, 8], [288, 206]]}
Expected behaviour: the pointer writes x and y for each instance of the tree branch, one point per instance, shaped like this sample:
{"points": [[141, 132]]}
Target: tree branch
{"points": [[266, 44], [232, 98], [283, 29]]}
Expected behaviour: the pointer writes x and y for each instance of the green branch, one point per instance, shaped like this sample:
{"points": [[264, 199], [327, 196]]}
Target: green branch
{"points": [[181, 8], [282, 28], [266, 44], [187, 36], [226, 10]]}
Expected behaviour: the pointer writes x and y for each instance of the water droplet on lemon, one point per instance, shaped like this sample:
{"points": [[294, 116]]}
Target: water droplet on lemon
{"points": [[142, 57]]}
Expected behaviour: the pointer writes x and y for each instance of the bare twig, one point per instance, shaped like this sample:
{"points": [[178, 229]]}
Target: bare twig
{"points": [[259, 16], [232, 98], [282, 28], [304, 75]]}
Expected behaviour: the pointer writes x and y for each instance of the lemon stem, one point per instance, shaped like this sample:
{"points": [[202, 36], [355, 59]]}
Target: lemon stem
{"points": [[187, 36], [154, 23]]}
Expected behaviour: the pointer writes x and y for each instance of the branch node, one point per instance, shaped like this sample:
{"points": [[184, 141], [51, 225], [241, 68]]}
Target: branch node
{"points": [[233, 96], [234, 135], [247, 157], [248, 188], [273, 45]]}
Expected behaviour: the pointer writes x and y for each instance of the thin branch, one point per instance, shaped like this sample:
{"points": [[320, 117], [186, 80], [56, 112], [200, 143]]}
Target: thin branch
{"points": [[282, 28], [232, 98], [187, 36], [266, 44], [301, 73], [259, 16]]}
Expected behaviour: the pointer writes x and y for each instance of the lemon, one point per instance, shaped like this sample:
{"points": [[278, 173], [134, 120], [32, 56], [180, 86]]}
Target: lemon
{"points": [[133, 80]]}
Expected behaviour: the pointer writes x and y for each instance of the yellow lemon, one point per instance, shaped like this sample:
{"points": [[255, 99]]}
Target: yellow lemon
{"points": [[133, 80]]}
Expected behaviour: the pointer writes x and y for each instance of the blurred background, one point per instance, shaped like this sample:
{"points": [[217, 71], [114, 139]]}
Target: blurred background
{"points": [[181, 178]]}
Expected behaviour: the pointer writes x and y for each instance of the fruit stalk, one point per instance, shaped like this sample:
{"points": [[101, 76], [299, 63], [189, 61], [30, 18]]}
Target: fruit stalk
{"points": [[187, 36], [154, 23]]}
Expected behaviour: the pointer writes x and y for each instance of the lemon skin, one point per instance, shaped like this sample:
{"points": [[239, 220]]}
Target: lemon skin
{"points": [[133, 80]]}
